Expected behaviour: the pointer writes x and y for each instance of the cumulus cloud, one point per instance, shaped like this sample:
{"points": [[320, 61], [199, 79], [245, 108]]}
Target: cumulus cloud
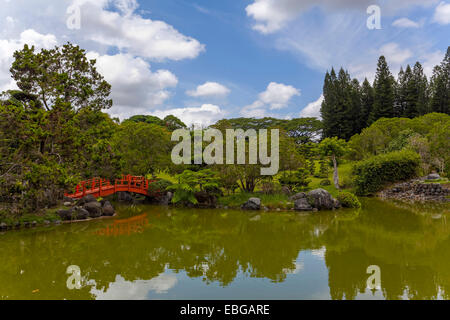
{"points": [[312, 110], [135, 88], [405, 23], [204, 116], [273, 15], [209, 89], [135, 290], [276, 96], [131, 33], [8, 47], [442, 13], [394, 53]]}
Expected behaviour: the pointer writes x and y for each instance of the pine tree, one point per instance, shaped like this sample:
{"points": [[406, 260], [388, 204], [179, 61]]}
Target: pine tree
{"points": [[440, 86], [328, 109], [421, 82], [367, 99], [384, 100]]}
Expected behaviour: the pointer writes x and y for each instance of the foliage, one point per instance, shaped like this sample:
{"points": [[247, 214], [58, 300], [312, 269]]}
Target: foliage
{"points": [[170, 122], [372, 174], [190, 182], [348, 200], [295, 181], [63, 74], [144, 148], [160, 185]]}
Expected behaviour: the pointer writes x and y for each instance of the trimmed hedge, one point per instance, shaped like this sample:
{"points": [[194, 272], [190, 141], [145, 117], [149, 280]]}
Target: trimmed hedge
{"points": [[372, 174], [348, 200]]}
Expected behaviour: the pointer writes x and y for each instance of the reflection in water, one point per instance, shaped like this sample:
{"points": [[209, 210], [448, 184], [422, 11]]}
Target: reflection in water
{"points": [[203, 254], [125, 226]]}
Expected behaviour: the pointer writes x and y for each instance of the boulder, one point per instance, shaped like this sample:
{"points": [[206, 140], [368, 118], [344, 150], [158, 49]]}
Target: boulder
{"points": [[124, 197], [87, 199], [336, 203], [252, 204], [3, 226], [433, 176], [68, 204], [297, 196], [302, 205], [205, 199], [285, 190], [165, 199], [82, 214], [67, 199], [321, 199], [108, 209], [65, 215], [94, 209]]}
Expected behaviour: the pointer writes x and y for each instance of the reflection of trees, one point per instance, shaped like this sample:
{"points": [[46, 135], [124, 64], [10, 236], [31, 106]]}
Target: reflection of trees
{"points": [[203, 243], [411, 250]]}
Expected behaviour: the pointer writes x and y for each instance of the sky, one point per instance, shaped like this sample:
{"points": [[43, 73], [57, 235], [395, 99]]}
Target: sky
{"points": [[205, 60]]}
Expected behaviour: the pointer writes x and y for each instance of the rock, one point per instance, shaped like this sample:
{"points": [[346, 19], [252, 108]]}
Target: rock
{"points": [[336, 203], [65, 215], [34, 224], [82, 214], [94, 209], [3, 226], [285, 190], [166, 199], [46, 222], [108, 209], [302, 205], [124, 197], [57, 222], [87, 199], [252, 204], [17, 225], [433, 176], [68, 204], [297, 196], [67, 199], [206, 200], [321, 199]]}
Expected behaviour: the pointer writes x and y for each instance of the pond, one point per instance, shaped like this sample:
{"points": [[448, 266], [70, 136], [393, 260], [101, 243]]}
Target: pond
{"points": [[151, 252]]}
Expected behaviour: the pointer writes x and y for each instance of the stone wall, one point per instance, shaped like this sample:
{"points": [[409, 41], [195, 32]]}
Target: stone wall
{"points": [[418, 191]]}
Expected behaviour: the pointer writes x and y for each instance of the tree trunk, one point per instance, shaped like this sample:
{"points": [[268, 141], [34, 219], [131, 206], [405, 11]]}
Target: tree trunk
{"points": [[335, 173]]}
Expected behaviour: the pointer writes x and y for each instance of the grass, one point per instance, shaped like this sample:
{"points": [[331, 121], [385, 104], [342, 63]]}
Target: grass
{"points": [[271, 201], [10, 219]]}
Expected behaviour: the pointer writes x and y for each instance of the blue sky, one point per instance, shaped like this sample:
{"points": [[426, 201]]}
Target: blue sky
{"points": [[204, 60]]}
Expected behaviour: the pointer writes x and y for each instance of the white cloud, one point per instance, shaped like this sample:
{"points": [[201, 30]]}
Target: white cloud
{"points": [[135, 88], [394, 53], [274, 15], [276, 96], [405, 23], [133, 34], [209, 89], [8, 47], [442, 13], [312, 110], [205, 115], [122, 289], [431, 60]]}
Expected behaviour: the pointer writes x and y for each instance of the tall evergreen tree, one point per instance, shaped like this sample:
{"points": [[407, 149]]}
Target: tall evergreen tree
{"points": [[367, 99], [422, 91], [384, 100], [440, 86]]}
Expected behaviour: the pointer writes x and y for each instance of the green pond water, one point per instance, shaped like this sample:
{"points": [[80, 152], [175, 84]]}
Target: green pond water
{"points": [[150, 252]]}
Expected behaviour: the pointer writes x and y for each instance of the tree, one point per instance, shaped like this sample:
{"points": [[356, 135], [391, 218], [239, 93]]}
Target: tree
{"points": [[304, 130], [440, 86], [61, 74], [383, 106], [367, 99], [144, 148], [334, 148]]}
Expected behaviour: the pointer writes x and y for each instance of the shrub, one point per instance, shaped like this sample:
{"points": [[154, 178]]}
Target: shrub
{"points": [[296, 181], [160, 185], [372, 174], [325, 182], [348, 200], [270, 187]]}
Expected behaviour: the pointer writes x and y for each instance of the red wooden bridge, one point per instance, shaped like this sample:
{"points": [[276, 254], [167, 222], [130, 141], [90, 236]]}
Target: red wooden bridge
{"points": [[102, 187]]}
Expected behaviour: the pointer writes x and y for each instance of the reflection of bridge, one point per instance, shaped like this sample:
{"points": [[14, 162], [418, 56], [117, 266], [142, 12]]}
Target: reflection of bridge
{"points": [[102, 187], [125, 226]]}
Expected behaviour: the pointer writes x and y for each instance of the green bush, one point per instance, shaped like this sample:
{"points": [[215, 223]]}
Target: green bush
{"points": [[160, 185], [372, 174], [325, 182], [348, 200]]}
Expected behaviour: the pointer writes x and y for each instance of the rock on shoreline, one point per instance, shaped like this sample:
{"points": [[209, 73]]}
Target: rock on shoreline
{"points": [[87, 207]]}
